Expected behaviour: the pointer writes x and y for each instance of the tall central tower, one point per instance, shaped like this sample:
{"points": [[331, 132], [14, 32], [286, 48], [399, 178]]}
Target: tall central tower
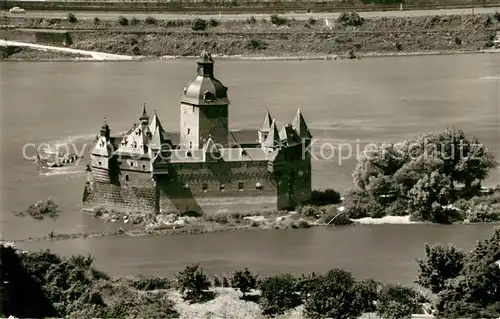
{"points": [[204, 108]]}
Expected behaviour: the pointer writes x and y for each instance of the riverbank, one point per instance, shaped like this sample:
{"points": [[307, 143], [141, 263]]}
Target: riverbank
{"points": [[349, 36]]}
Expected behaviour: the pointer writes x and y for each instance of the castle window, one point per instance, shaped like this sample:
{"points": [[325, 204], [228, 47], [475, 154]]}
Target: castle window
{"points": [[188, 154], [126, 178], [244, 153], [258, 186], [188, 131], [143, 166], [241, 186], [131, 164], [222, 187], [100, 163], [204, 187], [190, 144]]}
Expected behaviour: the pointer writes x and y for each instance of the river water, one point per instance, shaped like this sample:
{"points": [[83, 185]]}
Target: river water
{"points": [[344, 102]]}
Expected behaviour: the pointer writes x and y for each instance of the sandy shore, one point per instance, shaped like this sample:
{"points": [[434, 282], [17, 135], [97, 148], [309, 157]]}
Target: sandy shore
{"points": [[399, 220]]}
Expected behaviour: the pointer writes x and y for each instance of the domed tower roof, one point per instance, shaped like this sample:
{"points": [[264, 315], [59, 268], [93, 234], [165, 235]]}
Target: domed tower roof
{"points": [[205, 89]]}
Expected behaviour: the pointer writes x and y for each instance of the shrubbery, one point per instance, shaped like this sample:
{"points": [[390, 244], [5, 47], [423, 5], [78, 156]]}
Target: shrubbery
{"points": [[325, 197], [193, 283], [122, 21], [41, 209], [199, 24], [278, 294], [244, 281]]}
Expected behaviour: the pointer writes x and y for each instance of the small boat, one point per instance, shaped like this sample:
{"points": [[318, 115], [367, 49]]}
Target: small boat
{"points": [[57, 161]]}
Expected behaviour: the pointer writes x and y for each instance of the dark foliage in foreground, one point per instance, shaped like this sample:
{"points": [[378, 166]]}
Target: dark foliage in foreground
{"points": [[468, 284], [325, 197], [77, 290]]}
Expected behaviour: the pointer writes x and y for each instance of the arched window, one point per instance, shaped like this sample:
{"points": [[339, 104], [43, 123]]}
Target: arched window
{"points": [[126, 178]]}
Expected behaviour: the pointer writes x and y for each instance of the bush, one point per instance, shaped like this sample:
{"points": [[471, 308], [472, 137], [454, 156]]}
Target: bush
{"points": [[398, 302], [199, 24], [256, 44], [359, 204], [72, 18], [350, 19], [276, 20], [122, 21], [97, 21], [483, 213], [217, 281], [213, 22], [497, 16], [335, 217], [150, 20], [326, 197], [134, 21], [151, 283], [41, 209], [251, 20], [192, 283], [225, 282], [311, 21], [244, 281], [334, 296], [278, 294]]}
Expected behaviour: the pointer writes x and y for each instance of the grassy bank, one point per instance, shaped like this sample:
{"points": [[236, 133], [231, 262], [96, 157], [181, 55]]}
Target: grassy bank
{"points": [[347, 36]]}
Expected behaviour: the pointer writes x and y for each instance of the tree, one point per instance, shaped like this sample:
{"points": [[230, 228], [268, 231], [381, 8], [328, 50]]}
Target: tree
{"points": [[278, 294], [192, 283], [397, 302], [475, 292], [367, 294], [440, 264], [466, 160], [244, 281], [428, 196], [334, 296]]}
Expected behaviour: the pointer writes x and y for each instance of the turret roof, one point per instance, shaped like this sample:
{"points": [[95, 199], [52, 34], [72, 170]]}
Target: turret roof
{"points": [[300, 126], [273, 139], [267, 122]]}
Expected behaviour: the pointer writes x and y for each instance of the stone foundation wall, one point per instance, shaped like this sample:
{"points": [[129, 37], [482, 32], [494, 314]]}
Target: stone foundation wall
{"points": [[119, 197]]}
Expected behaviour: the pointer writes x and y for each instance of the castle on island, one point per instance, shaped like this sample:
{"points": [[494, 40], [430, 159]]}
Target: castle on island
{"points": [[206, 171]]}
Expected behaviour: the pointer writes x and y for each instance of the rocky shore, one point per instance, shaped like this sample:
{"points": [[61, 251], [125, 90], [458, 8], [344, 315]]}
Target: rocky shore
{"points": [[349, 36]]}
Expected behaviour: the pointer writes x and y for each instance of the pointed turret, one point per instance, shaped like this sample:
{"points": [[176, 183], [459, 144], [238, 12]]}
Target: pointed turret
{"points": [[273, 138], [300, 126], [267, 122], [105, 131], [266, 126], [211, 151], [144, 119]]}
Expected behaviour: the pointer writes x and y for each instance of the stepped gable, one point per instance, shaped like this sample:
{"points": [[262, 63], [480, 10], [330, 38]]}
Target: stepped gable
{"points": [[205, 89]]}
